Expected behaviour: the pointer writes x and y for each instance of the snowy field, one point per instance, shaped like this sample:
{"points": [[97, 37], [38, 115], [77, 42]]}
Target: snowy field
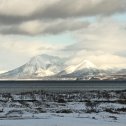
{"points": [[66, 108], [68, 120]]}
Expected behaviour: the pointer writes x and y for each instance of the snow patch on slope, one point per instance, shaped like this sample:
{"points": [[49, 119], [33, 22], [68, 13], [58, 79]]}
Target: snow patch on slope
{"points": [[2, 71], [38, 66], [85, 64]]}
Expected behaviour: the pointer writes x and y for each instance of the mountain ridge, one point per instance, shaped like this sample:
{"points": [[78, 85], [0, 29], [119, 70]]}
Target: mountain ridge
{"points": [[49, 67]]}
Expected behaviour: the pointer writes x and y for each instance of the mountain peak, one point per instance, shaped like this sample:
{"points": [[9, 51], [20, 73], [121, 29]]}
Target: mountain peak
{"points": [[85, 64], [44, 65], [38, 66]]}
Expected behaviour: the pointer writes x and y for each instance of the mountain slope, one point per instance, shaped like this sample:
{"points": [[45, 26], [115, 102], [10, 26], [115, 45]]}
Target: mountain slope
{"points": [[84, 67], [53, 67], [2, 71], [38, 66]]}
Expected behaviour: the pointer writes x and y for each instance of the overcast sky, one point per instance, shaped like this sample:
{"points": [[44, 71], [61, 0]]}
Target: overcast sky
{"points": [[94, 30]]}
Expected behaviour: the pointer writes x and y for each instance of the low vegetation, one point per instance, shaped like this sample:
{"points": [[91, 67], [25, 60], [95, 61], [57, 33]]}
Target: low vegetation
{"points": [[34, 102]]}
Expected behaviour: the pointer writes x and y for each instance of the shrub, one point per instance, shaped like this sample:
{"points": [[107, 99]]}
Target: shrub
{"points": [[61, 101], [92, 106], [64, 111]]}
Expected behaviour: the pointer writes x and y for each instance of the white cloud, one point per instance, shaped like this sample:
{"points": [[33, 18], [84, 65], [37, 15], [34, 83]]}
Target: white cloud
{"points": [[36, 27], [32, 27], [23, 7], [100, 43], [99, 58], [15, 51], [106, 34], [18, 45], [17, 11], [50, 27]]}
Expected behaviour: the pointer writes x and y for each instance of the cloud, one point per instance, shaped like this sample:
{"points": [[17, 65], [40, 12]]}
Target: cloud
{"points": [[23, 7], [37, 27], [106, 35], [80, 8], [26, 47], [102, 42], [15, 51], [52, 17], [98, 58], [18, 11]]}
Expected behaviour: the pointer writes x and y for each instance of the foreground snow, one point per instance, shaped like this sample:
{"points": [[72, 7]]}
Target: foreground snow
{"points": [[63, 108], [66, 120]]}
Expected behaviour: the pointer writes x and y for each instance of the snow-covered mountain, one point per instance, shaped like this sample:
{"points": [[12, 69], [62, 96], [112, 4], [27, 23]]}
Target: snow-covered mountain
{"points": [[83, 65], [81, 69], [52, 67], [38, 66], [2, 71]]}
